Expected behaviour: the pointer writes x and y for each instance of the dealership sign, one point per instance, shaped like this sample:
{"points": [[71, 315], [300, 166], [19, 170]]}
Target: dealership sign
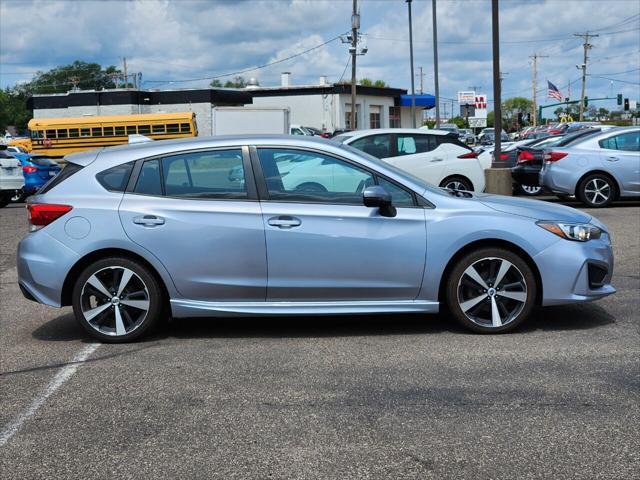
{"points": [[466, 98], [480, 102], [477, 122]]}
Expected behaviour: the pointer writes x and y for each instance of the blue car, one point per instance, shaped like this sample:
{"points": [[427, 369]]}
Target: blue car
{"points": [[37, 170], [293, 225]]}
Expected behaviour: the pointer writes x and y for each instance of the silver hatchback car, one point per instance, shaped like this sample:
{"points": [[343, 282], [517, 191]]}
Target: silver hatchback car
{"points": [[599, 169], [284, 225]]}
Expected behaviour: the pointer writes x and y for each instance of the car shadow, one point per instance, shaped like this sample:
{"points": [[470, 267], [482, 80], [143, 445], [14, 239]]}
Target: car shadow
{"points": [[565, 318]]}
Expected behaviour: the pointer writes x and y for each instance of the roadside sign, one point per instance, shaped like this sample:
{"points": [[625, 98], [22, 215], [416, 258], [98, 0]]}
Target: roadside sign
{"points": [[480, 101], [466, 98], [477, 122]]}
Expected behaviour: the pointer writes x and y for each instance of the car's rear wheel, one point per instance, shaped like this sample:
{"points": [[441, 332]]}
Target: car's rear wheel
{"points": [[117, 300], [529, 190], [491, 290], [596, 190], [457, 183], [18, 196]]}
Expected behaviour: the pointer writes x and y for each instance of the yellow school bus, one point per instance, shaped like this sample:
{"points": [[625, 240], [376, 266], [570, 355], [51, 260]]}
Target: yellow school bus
{"points": [[57, 137]]}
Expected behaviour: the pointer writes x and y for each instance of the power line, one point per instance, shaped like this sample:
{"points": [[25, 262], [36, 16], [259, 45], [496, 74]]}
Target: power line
{"points": [[616, 80], [245, 70], [617, 73]]}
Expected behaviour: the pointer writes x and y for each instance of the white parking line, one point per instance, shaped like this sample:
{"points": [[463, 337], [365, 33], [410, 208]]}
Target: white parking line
{"points": [[64, 374]]}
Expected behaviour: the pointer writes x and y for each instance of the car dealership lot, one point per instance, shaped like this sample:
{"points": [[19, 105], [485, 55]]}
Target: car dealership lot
{"points": [[401, 396]]}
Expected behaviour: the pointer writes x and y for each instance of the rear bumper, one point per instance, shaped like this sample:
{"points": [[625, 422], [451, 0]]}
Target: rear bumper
{"points": [[43, 263], [575, 272], [525, 174]]}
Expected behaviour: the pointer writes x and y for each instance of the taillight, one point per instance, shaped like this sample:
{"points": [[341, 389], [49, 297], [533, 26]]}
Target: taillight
{"points": [[504, 157], [42, 214], [469, 155], [554, 156], [525, 156], [29, 169]]}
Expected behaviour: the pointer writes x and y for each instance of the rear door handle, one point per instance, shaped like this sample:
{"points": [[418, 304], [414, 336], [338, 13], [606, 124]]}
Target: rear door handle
{"points": [[612, 159], [284, 221], [436, 159], [148, 220]]}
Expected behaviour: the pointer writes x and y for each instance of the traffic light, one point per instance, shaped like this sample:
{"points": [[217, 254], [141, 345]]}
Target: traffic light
{"points": [[626, 104], [586, 101], [619, 99]]}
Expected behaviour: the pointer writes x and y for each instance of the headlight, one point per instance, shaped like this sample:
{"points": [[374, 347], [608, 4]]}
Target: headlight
{"points": [[579, 232]]}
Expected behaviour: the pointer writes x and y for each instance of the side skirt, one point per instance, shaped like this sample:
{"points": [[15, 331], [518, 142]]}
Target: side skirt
{"points": [[196, 308]]}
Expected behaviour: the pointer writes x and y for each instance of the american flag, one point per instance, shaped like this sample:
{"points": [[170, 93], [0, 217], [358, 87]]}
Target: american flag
{"points": [[553, 92]]}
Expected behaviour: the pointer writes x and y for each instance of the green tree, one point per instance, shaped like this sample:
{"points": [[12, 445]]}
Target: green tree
{"points": [[215, 83], [459, 122], [13, 109], [380, 84], [366, 82], [512, 110], [237, 82], [82, 75], [490, 116]]}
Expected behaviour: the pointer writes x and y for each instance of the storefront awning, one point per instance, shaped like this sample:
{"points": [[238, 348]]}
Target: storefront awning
{"points": [[423, 101]]}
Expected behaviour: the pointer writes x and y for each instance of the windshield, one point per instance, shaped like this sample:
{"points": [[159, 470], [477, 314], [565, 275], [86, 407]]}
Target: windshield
{"points": [[395, 169]]}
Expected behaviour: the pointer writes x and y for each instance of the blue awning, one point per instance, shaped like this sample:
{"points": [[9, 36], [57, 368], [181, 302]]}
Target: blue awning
{"points": [[425, 101]]}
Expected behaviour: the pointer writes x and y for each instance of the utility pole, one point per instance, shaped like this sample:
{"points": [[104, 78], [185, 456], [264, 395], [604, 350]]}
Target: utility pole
{"points": [[497, 80], [413, 82], [587, 46], [435, 61], [421, 75], [126, 77], [355, 25], [534, 96]]}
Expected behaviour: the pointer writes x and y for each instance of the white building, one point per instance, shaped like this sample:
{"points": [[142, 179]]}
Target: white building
{"points": [[325, 106]]}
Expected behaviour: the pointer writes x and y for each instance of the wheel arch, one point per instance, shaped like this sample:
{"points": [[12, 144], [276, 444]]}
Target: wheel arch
{"points": [[82, 263], [600, 172], [490, 243]]}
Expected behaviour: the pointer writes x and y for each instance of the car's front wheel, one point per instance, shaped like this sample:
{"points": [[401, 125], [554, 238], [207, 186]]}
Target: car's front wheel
{"points": [[491, 290], [117, 300]]}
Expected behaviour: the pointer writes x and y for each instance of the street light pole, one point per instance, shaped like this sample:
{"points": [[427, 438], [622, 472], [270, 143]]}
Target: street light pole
{"points": [[413, 80], [435, 61], [497, 110]]}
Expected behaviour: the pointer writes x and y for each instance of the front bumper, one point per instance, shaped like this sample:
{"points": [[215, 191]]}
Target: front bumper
{"points": [[576, 272], [43, 264]]}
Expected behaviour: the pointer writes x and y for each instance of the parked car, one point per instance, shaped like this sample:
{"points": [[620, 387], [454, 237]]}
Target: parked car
{"points": [[37, 170], [451, 128], [435, 156], [299, 130], [598, 169], [11, 179], [317, 132], [530, 157], [141, 232], [487, 136], [467, 136]]}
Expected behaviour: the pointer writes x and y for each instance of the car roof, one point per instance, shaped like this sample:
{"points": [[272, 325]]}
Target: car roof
{"points": [[378, 131]]}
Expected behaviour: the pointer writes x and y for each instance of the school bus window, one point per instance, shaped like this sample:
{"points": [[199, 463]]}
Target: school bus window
{"points": [[73, 133], [119, 131], [173, 128], [108, 131], [184, 127], [36, 134], [96, 132], [85, 132], [144, 129], [157, 128], [62, 133], [131, 130], [51, 134]]}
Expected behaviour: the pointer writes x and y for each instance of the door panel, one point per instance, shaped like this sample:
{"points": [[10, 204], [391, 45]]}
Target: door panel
{"points": [[214, 250], [344, 252]]}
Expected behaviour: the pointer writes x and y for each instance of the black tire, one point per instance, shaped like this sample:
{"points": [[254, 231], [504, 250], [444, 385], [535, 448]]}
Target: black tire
{"points": [[529, 191], [18, 196], [462, 182], [134, 320], [597, 190], [5, 198], [517, 280]]}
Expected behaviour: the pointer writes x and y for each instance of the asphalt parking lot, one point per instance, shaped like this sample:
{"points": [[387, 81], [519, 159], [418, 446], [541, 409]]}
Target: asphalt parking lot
{"points": [[391, 397]]}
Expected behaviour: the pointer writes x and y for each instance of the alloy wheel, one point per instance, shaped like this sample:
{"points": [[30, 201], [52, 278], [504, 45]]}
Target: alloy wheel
{"points": [[530, 190], [456, 185], [115, 301], [492, 292], [597, 191]]}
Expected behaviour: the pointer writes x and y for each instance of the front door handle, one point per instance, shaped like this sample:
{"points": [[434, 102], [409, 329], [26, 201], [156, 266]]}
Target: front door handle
{"points": [[284, 221], [148, 220], [438, 159], [612, 159]]}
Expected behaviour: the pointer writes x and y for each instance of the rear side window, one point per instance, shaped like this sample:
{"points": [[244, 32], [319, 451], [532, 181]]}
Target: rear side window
{"points": [[115, 179], [454, 141], [629, 142], [66, 172]]}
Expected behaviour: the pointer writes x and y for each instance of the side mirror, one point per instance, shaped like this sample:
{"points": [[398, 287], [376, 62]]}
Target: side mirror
{"points": [[377, 197]]}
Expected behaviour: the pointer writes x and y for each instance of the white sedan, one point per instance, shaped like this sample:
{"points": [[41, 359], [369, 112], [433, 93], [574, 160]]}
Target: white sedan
{"points": [[432, 155]]}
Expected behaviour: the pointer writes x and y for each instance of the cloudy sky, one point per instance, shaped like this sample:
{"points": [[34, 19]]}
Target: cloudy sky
{"points": [[176, 42]]}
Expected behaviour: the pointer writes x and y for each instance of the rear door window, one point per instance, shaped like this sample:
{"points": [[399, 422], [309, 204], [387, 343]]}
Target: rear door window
{"points": [[629, 142], [377, 145], [409, 144]]}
